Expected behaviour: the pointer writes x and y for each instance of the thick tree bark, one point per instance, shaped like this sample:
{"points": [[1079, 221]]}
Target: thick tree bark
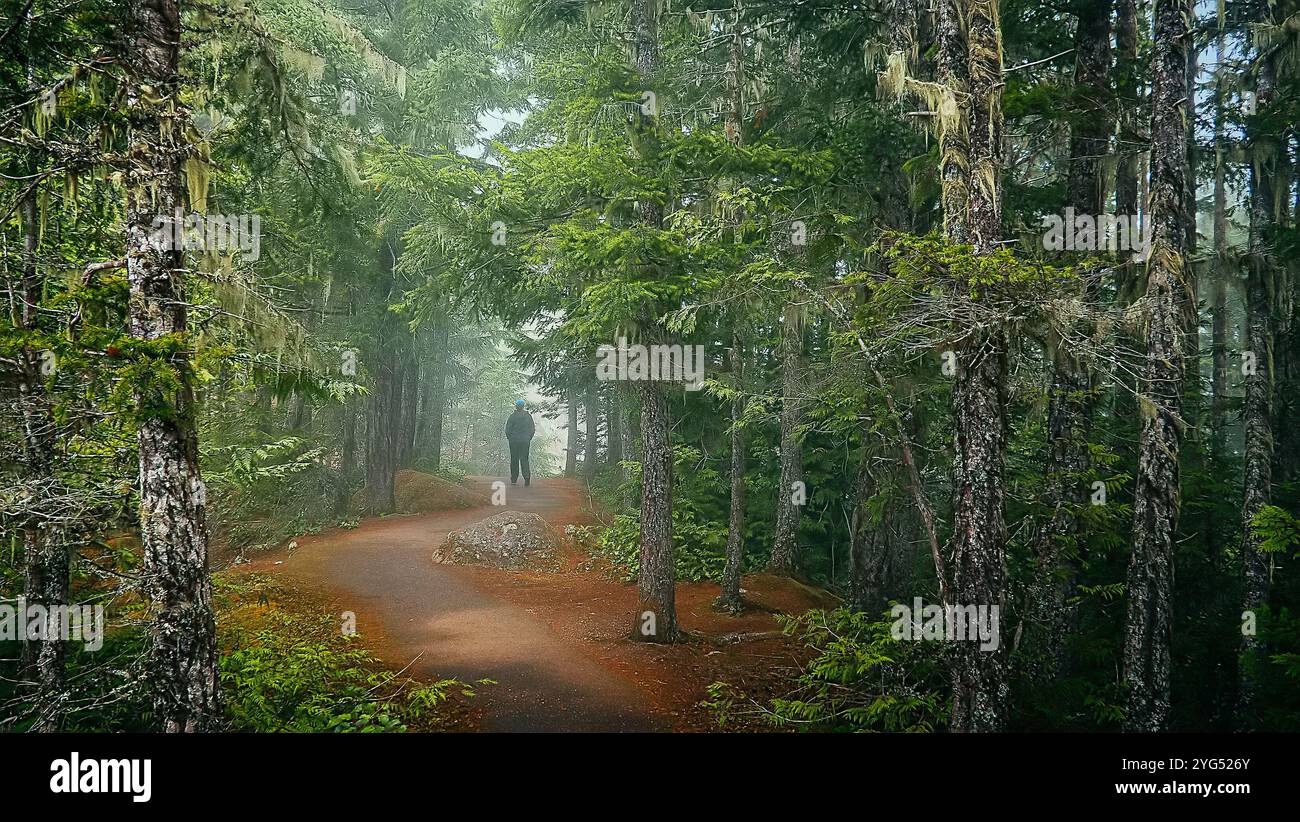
{"points": [[953, 73], [979, 526], [1070, 399], [1257, 473], [656, 616], [181, 660], [785, 543], [979, 403], [1156, 506]]}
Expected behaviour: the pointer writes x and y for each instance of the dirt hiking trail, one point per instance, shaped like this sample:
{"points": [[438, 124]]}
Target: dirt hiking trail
{"points": [[554, 643]]}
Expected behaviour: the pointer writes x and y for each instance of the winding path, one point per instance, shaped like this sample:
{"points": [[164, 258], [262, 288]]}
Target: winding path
{"points": [[414, 609]]}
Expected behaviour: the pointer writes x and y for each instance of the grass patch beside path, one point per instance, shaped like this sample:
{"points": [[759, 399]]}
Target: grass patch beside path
{"points": [[287, 665]]}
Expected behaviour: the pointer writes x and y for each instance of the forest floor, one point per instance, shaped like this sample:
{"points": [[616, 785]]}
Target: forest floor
{"points": [[555, 644]]}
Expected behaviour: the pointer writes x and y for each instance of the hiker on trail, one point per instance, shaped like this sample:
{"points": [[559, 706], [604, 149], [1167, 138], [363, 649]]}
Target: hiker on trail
{"points": [[519, 433]]}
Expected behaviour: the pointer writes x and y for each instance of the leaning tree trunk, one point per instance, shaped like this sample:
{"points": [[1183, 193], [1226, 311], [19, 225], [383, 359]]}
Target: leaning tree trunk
{"points": [[656, 616], [1257, 474], [1070, 399], [1156, 503], [785, 543], [979, 403], [181, 661]]}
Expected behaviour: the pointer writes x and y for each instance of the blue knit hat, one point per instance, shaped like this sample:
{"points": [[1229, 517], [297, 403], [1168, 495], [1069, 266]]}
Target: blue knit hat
{"points": [[519, 403]]}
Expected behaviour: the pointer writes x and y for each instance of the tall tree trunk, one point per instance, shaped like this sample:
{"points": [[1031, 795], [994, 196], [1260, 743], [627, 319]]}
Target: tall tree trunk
{"points": [[1286, 369], [420, 441], [875, 552], [790, 491], [1257, 474], [384, 408], [1192, 316], [729, 598], [348, 451], [45, 549], [592, 440], [410, 405], [953, 74], [1070, 399], [571, 436], [627, 426], [1129, 132], [656, 616], [614, 428], [181, 660], [869, 542], [435, 415], [1286, 340], [1156, 506], [785, 542], [1222, 269], [979, 403], [1219, 328]]}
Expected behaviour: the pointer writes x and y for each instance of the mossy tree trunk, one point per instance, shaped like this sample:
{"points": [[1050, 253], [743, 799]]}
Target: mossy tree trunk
{"points": [[1156, 503], [979, 401], [181, 660]]}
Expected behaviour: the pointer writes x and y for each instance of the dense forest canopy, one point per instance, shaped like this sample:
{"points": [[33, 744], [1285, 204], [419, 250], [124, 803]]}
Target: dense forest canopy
{"points": [[993, 308]]}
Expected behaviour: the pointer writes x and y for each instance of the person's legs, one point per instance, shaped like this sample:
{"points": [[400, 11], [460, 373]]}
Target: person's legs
{"points": [[514, 464], [523, 463]]}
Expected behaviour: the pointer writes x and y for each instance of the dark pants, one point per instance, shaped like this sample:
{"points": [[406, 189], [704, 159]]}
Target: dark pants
{"points": [[519, 462]]}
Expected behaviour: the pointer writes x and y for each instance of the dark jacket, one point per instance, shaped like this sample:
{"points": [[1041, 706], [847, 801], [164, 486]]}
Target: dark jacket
{"points": [[519, 428]]}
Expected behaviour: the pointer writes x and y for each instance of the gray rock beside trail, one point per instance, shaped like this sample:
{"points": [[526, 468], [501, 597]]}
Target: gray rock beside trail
{"points": [[513, 540]]}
